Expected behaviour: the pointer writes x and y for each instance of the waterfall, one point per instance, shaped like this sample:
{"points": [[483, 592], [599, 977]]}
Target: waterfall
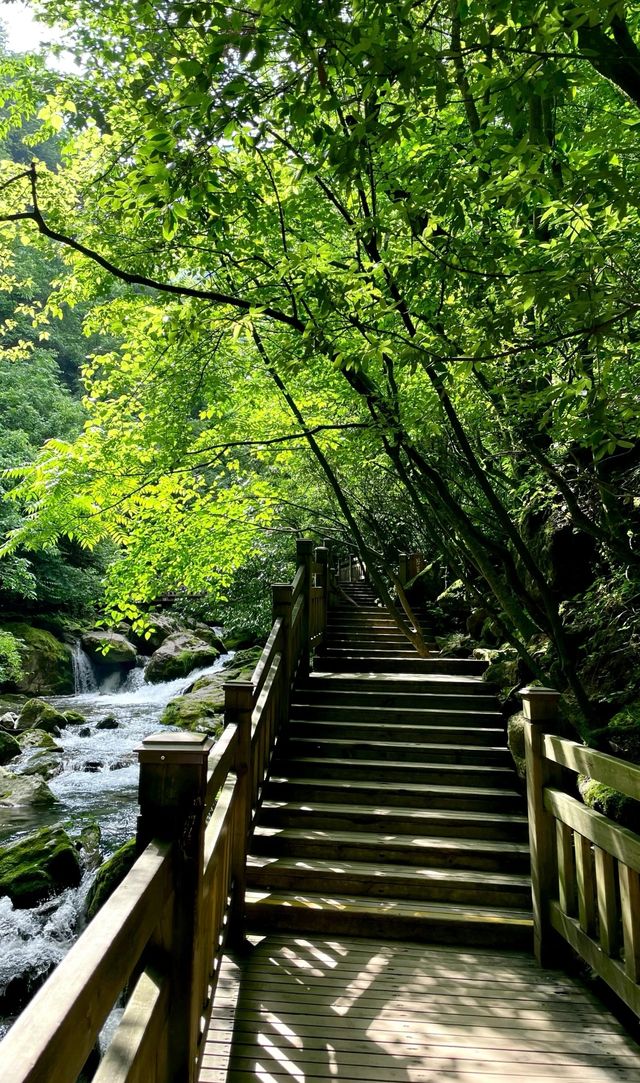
{"points": [[84, 679]]}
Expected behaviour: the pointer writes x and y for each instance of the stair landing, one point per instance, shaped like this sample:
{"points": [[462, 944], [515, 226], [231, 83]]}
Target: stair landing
{"points": [[310, 1009]]}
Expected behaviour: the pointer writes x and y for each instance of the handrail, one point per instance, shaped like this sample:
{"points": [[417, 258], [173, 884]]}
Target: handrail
{"points": [[585, 867], [161, 935]]}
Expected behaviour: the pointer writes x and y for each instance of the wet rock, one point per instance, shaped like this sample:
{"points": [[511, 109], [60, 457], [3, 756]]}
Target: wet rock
{"points": [[85, 731], [104, 647], [109, 876], [92, 766], [9, 747], [45, 762], [87, 843], [38, 866], [24, 790], [180, 653], [38, 714], [8, 722], [201, 706], [37, 739], [46, 662], [108, 723], [74, 718]]}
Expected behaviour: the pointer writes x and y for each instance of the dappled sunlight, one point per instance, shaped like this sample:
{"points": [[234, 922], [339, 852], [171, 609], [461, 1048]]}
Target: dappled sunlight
{"points": [[312, 1010]]}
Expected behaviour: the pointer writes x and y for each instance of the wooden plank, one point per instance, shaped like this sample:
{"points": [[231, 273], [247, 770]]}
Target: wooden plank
{"points": [[585, 883], [219, 822], [136, 1051], [608, 912], [610, 970], [608, 769], [566, 869], [616, 840], [272, 647], [260, 1072], [630, 907], [53, 1037]]}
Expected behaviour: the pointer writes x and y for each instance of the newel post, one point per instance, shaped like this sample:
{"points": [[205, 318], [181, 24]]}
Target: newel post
{"points": [[304, 553], [238, 709], [172, 789], [322, 558], [540, 707]]}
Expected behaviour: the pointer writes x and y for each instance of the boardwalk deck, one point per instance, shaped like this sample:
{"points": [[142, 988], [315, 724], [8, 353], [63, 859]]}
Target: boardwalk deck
{"points": [[310, 1009]]}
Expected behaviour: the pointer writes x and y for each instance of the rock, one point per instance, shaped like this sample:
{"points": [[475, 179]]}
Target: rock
{"points": [[38, 866], [9, 747], [201, 706], [20, 790], [74, 718], [623, 733], [92, 766], [109, 876], [515, 740], [85, 731], [107, 648], [38, 714], [46, 662], [8, 722], [108, 723], [503, 673], [161, 626], [204, 632], [37, 739], [45, 762], [87, 843], [617, 806], [180, 653]]}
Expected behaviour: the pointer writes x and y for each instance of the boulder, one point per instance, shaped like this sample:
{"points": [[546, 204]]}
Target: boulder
{"points": [[45, 762], [46, 662], [74, 718], [8, 722], [38, 714], [108, 877], [201, 706], [87, 843], [180, 653], [19, 790], [9, 747], [108, 723], [37, 738], [161, 625], [109, 648], [38, 866]]}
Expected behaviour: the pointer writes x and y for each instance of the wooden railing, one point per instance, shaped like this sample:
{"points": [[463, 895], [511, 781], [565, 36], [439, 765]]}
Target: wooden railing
{"points": [[585, 867], [159, 938]]}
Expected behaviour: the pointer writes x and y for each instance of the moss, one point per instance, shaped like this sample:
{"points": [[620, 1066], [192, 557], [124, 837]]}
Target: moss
{"points": [[623, 732], [515, 740], [38, 714], [611, 803], [9, 747], [37, 738], [108, 877], [46, 662], [38, 866]]}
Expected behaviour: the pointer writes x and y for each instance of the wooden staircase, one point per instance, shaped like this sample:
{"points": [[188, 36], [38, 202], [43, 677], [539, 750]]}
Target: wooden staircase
{"points": [[391, 809]]}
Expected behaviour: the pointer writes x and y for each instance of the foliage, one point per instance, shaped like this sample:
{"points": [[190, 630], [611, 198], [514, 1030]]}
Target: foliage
{"points": [[10, 659], [377, 267]]}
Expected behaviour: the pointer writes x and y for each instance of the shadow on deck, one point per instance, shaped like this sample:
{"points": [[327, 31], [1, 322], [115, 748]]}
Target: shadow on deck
{"points": [[306, 1009]]}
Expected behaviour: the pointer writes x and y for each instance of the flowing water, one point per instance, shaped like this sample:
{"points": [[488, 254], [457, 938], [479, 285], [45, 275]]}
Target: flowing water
{"points": [[98, 783]]}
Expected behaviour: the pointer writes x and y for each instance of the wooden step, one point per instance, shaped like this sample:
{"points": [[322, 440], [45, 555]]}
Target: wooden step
{"points": [[395, 684], [465, 697], [330, 816], [393, 750], [425, 774], [434, 851], [389, 919], [483, 736], [288, 785], [345, 662], [444, 714], [373, 880]]}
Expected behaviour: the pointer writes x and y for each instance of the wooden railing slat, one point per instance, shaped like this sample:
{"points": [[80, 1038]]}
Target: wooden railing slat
{"points": [[585, 884], [136, 1051], [566, 868], [220, 762], [630, 906], [272, 647], [619, 841], [608, 917]]}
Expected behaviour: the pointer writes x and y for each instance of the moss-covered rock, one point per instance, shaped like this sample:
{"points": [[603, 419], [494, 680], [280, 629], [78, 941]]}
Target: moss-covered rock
{"points": [[106, 648], [87, 843], [17, 791], [38, 714], [503, 673], [617, 806], [515, 740], [46, 662], [9, 747], [201, 707], [109, 876], [180, 653], [37, 738], [45, 762], [623, 733], [38, 866]]}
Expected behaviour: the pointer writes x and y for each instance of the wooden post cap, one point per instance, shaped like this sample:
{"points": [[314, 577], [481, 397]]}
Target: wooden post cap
{"points": [[304, 547], [174, 748], [539, 704]]}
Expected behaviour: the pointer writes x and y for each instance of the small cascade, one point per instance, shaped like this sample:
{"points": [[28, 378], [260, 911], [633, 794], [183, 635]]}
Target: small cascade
{"points": [[84, 679]]}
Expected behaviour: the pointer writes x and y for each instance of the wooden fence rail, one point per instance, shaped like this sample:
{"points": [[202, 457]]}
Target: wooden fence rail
{"points": [[585, 867], [159, 938]]}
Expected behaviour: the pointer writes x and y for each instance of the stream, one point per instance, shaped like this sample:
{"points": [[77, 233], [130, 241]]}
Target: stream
{"points": [[98, 784]]}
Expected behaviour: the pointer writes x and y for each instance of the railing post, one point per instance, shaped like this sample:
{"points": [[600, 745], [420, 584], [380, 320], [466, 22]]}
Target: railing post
{"points": [[322, 558], [172, 788], [403, 574], [281, 607], [304, 553], [539, 706], [238, 709]]}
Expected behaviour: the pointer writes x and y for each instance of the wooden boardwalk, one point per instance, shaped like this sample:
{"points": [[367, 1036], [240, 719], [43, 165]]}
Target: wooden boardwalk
{"points": [[308, 1009]]}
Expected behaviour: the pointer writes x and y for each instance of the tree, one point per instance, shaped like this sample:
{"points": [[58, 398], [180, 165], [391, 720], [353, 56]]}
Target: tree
{"points": [[428, 214]]}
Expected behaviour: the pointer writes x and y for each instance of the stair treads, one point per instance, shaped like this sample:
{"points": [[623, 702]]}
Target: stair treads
{"points": [[425, 842], [396, 874]]}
